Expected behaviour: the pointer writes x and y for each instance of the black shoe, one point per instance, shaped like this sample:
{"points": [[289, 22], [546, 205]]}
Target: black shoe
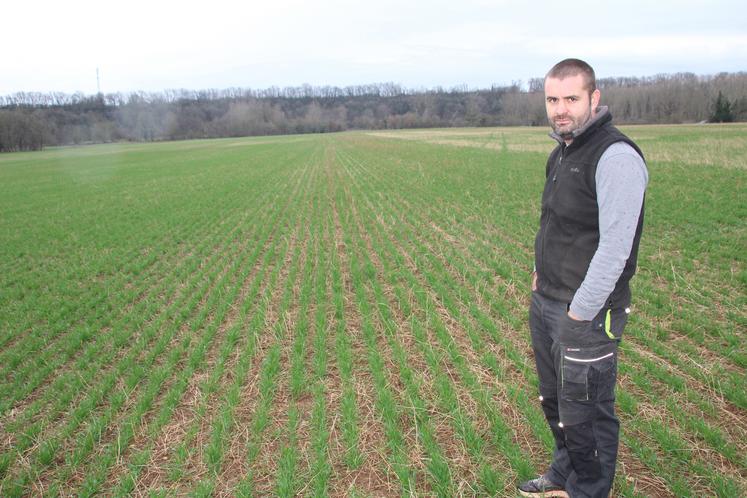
{"points": [[542, 487]]}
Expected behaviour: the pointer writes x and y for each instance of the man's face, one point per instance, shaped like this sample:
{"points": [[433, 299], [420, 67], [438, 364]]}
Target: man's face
{"points": [[568, 103]]}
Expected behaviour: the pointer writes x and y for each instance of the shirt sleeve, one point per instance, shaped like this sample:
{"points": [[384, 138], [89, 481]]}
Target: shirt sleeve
{"points": [[621, 180]]}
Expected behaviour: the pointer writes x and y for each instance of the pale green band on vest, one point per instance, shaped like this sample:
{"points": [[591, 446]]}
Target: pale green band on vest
{"points": [[608, 324]]}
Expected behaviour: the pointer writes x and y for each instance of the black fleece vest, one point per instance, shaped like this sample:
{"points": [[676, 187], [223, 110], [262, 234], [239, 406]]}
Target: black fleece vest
{"points": [[569, 225]]}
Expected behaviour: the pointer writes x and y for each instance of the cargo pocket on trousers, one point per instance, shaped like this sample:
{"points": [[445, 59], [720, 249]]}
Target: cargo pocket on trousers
{"points": [[584, 369], [574, 380]]}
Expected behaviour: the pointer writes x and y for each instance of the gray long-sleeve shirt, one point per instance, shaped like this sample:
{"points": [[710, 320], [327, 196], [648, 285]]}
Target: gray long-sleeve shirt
{"points": [[621, 180]]}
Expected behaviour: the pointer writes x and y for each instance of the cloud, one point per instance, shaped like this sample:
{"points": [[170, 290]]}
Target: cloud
{"points": [[150, 45], [662, 47]]}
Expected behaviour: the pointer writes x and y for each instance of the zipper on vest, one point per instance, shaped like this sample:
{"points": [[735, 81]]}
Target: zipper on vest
{"points": [[560, 163], [550, 195]]}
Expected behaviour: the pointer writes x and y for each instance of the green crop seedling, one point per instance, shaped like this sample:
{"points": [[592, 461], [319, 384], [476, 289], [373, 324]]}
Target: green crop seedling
{"points": [[345, 315]]}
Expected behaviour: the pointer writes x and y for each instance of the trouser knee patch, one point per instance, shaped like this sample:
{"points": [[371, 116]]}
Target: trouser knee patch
{"points": [[582, 450]]}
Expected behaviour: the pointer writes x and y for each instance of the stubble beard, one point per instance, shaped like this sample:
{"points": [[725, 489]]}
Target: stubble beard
{"points": [[565, 131]]}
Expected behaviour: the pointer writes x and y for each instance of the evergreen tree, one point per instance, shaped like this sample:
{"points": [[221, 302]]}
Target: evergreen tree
{"points": [[722, 110]]}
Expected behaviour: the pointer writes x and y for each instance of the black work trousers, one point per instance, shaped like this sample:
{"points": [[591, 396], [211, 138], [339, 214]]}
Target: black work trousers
{"points": [[577, 369]]}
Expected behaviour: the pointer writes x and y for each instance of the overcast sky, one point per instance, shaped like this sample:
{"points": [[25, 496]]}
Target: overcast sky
{"points": [[154, 45]]}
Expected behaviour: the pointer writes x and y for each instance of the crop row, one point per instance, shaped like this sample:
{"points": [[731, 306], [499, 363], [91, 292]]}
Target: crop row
{"points": [[723, 485], [334, 315]]}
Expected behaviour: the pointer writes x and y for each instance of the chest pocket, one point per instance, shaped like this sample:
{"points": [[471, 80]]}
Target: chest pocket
{"points": [[573, 197]]}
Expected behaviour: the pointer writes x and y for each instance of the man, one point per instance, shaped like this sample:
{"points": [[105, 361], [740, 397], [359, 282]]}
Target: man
{"points": [[585, 255]]}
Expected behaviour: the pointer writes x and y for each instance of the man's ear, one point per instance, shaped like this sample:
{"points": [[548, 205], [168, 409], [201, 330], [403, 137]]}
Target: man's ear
{"points": [[595, 97]]}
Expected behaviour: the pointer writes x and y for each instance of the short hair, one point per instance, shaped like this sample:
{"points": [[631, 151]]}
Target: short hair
{"points": [[574, 67]]}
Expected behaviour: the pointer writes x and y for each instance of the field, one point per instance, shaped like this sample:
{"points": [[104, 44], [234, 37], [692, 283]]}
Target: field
{"points": [[345, 315]]}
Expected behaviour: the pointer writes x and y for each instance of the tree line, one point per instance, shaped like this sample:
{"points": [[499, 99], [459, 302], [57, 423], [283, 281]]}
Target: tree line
{"points": [[33, 120]]}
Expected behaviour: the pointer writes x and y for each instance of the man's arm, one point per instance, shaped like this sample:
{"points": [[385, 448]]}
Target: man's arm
{"points": [[621, 180]]}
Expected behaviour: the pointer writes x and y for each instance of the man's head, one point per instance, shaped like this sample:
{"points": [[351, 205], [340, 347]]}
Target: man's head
{"points": [[571, 96]]}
